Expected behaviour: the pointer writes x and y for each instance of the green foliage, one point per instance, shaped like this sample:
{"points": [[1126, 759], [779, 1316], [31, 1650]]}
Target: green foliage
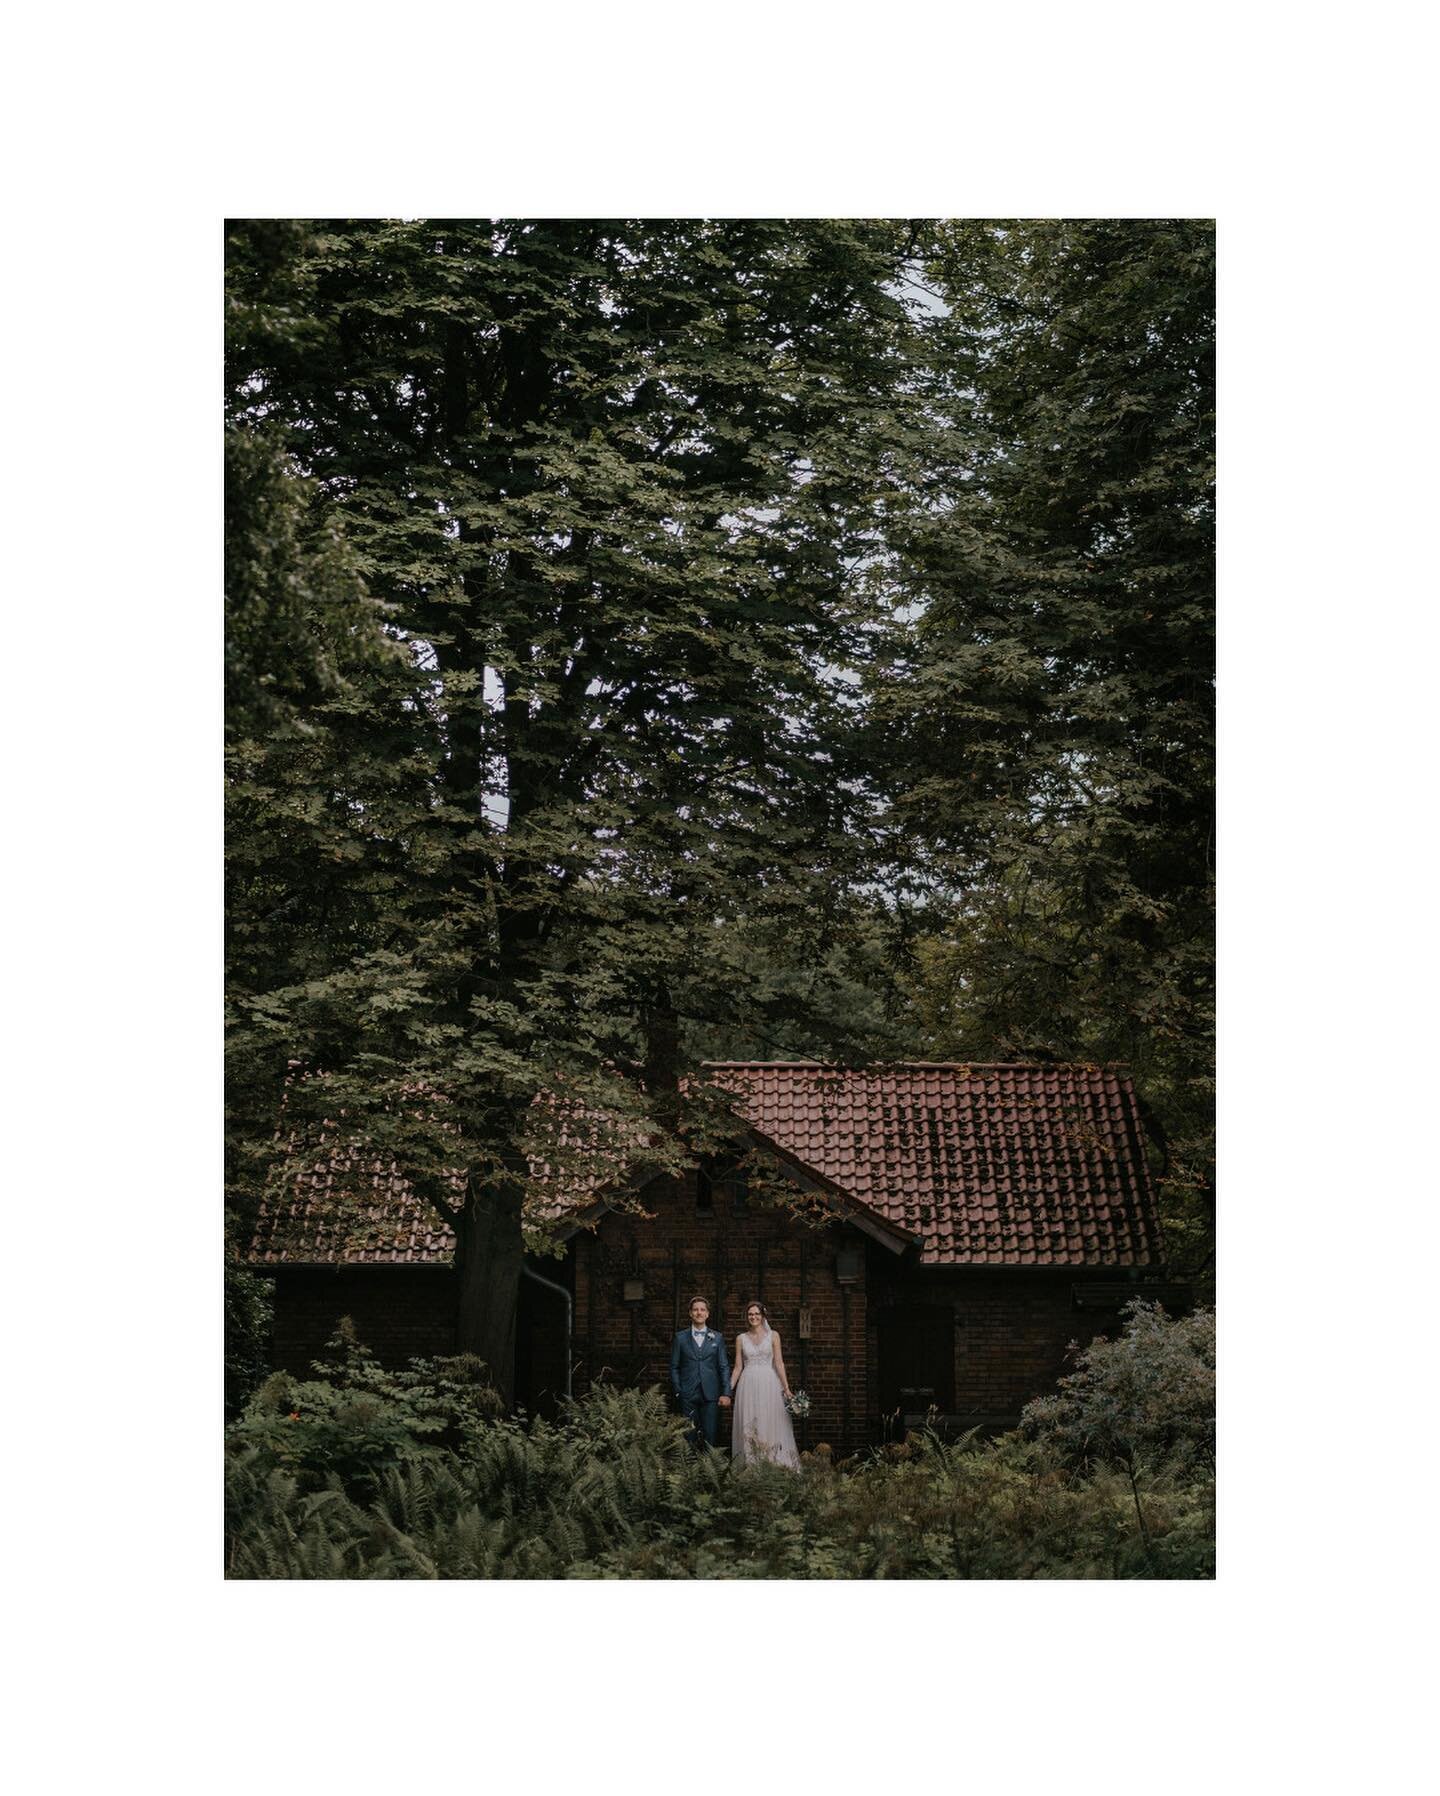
{"points": [[635, 626], [299, 627], [355, 1418], [1146, 1400], [311, 775], [1049, 721], [359, 1484], [604, 481], [249, 1304]]}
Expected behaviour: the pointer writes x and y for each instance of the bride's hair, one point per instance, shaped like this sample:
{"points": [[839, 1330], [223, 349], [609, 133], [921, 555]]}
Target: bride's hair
{"points": [[754, 1304]]}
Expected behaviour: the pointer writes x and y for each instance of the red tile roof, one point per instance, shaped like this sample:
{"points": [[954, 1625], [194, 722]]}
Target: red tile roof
{"points": [[347, 1210], [346, 1207], [988, 1165], [984, 1165]]}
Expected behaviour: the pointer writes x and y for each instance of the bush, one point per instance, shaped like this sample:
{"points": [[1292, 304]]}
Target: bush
{"points": [[1146, 1400], [416, 1475], [1144, 1404], [354, 1420], [249, 1303]]}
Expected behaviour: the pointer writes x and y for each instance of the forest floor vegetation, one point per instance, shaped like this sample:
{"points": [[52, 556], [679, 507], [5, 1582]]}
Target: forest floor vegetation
{"points": [[363, 1472]]}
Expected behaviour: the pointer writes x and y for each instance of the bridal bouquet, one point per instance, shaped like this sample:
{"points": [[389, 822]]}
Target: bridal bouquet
{"points": [[798, 1403]]}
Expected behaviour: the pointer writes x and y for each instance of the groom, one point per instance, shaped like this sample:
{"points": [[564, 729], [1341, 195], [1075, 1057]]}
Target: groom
{"points": [[700, 1374]]}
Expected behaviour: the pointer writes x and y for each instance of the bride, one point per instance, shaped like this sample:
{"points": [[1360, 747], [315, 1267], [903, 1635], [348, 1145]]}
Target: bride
{"points": [[760, 1422]]}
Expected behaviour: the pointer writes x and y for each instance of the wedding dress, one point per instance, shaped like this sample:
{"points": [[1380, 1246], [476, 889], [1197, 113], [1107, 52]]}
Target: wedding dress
{"points": [[760, 1423]]}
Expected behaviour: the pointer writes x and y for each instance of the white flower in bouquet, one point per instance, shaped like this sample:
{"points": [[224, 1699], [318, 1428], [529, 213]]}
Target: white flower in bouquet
{"points": [[798, 1403]]}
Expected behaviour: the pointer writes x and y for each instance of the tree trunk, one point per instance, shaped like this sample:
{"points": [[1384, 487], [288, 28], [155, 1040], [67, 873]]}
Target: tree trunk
{"points": [[489, 1253], [660, 1026]]}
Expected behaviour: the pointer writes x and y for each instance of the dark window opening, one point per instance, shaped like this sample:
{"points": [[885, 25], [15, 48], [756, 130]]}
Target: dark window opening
{"points": [[704, 1194]]}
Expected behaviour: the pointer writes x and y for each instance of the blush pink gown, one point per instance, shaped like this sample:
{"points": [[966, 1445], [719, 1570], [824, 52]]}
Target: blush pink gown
{"points": [[760, 1425]]}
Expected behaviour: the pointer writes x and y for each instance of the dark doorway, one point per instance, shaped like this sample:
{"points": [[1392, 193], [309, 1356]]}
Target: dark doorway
{"points": [[917, 1363], [539, 1349]]}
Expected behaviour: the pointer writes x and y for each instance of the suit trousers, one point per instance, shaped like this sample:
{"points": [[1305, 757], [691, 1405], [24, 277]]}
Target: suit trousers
{"points": [[703, 1416]]}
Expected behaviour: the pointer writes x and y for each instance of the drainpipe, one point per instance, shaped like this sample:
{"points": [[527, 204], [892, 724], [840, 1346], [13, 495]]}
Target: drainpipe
{"points": [[550, 1285]]}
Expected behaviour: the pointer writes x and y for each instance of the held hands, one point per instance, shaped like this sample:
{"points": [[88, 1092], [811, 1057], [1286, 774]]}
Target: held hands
{"points": [[724, 1402]]}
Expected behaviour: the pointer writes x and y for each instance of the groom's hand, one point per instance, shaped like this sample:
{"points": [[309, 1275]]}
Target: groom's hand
{"points": [[724, 1402]]}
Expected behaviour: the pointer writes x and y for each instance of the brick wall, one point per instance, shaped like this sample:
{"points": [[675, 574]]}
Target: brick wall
{"points": [[729, 1258], [408, 1312], [400, 1312], [1013, 1328]]}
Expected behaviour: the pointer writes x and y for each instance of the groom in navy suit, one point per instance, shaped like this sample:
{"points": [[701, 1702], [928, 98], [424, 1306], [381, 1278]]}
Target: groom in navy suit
{"points": [[700, 1374]]}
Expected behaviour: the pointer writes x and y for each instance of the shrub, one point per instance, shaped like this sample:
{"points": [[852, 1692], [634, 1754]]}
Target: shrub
{"points": [[415, 1475], [1144, 1404], [1147, 1399], [356, 1419], [249, 1303]]}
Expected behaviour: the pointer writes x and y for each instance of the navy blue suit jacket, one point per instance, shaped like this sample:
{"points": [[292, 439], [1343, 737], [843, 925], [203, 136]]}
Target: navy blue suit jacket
{"points": [[703, 1373]]}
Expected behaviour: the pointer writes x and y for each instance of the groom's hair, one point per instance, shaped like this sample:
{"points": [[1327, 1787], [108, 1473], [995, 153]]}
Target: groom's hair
{"points": [[697, 1298]]}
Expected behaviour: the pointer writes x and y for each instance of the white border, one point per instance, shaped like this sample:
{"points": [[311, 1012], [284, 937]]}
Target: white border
{"points": [[140, 128]]}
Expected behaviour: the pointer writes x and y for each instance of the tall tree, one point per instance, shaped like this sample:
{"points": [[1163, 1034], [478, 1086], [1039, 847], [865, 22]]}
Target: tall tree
{"points": [[607, 480], [307, 666], [1050, 719]]}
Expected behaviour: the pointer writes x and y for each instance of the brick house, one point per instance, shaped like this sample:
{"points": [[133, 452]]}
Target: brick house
{"points": [[958, 1227]]}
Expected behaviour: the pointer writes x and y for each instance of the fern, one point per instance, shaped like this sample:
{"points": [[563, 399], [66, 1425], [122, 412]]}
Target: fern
{"points": [[403, 1476]]}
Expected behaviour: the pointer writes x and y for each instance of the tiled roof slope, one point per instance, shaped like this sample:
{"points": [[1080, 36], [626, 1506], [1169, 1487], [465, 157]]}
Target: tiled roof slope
{"points": [[350, 1211], [985, 1165], [988, 1165], [349, 1208]]}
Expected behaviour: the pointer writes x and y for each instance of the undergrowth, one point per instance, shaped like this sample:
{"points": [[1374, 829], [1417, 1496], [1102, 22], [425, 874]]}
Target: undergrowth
{"points": [[366, 1473]]}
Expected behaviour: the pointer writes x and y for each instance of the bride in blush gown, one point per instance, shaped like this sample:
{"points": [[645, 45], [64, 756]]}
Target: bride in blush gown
{"points": [[760, 1426]]}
